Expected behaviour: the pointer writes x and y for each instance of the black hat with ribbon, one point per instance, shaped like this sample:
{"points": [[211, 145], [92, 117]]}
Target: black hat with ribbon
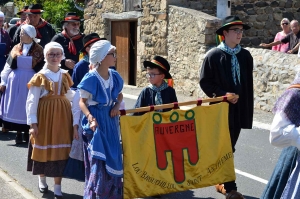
{"points": [[90, 39], [23, 10], [71, 17], [231, 21], [161, 63], [34, 9]]}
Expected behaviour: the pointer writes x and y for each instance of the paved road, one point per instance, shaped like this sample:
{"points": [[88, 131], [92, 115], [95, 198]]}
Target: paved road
{"points": [[255, 159]]}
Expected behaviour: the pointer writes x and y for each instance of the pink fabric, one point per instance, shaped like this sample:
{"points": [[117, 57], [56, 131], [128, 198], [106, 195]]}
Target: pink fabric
{"points": [[280, 47]]}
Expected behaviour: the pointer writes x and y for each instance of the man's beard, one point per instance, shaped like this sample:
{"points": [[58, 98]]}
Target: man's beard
{"points": [[74, 32]]}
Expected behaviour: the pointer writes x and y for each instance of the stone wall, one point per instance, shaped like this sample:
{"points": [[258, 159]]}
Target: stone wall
{"points": [[190, 34], [94, 22], [263, 16], [273, 72]]}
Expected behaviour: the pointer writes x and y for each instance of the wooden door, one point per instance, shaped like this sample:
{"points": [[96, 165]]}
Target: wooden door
{"points": [[120, 33]]}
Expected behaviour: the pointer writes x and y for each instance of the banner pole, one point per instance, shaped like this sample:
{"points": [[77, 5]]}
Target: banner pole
{"points": [[171, 105]]}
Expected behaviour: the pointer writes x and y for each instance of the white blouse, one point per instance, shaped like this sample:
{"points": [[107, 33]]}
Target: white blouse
{"points": [[76, 111], [6, 70], [4, 74], [35, 93], [283, 132]]}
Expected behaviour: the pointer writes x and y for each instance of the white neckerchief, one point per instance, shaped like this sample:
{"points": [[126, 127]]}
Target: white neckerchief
{"points": [[26, 48]]}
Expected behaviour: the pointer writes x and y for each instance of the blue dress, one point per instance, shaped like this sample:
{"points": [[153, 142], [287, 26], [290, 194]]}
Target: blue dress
{"points": [[292, 188], [102, 149]]}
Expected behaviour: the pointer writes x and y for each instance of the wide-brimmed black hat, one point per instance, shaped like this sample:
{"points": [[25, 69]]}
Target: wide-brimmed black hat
{"points": [[34, 9], [71, 17], [90, 39], [23, 10], [159, 62], [231, 21]]}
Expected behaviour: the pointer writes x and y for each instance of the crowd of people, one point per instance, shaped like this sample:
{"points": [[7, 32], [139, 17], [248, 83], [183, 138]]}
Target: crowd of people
{"points": [[67, 107]]}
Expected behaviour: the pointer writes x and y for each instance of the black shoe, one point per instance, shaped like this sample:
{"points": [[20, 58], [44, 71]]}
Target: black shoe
{"points": [[19, 139], [26, 137], [58, 197], [43, 190]]}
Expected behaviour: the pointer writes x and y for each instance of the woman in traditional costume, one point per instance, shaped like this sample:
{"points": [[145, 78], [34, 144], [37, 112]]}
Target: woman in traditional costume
{"points": [[25, 59], [285, 132], [100, 98], [49, 115]]}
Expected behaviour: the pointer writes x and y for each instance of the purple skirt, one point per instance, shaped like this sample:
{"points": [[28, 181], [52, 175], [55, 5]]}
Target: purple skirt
{"points": [[13, 102], [98, 183]]}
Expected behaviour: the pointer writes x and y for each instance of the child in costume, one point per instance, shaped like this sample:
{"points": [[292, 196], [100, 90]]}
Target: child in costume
{"points": [[158, 91], [100, 98]]}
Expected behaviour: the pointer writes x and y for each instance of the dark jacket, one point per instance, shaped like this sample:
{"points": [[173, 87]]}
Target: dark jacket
{"points": [[147, 98], [216, 80]]}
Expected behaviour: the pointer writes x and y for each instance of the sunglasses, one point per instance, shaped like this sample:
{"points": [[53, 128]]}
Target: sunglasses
{"points": [[285, 24]]}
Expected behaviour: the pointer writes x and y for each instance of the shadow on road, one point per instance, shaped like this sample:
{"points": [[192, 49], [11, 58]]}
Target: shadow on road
{"points": [[179, 195], [250, 197], [10, 136], [188, 195], [50, 195]]}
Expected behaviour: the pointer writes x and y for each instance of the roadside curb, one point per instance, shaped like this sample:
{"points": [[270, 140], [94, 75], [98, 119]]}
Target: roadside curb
{"points": [[16, 186]]}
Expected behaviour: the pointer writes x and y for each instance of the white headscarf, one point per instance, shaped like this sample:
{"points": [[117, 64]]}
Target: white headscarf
{"points": [[2, 15], [30, 31], [51, 45], [99, 50]]}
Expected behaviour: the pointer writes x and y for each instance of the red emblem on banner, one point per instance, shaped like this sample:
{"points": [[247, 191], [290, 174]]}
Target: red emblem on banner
{"points": [[175, 137]]}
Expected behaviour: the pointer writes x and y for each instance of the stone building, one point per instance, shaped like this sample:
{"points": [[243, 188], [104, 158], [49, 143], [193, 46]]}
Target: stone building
{"points": [[182, 31]]}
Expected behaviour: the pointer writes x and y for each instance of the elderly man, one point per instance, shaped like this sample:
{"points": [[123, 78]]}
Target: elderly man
{"points": [[12, 30], [71, 40], [44, 30], [293, 38]]}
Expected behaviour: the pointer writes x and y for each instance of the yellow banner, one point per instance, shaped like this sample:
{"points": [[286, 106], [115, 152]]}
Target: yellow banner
{"points": [[176, 150]]}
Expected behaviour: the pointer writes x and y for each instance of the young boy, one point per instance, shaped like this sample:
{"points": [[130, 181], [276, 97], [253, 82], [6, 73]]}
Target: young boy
{"points": [[158, 92], [227, 70]]}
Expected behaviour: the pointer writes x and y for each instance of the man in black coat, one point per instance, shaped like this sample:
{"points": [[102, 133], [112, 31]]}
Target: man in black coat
{"points": [[71, 40], [44, 30], [227, 71]]}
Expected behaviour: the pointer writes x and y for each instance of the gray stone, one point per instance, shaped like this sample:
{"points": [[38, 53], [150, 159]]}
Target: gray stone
{"points": [[297, 4], [250, 12], [258, 25], [288, 4], [274, 4], [255, 41], [239, 8], [261, 4], [245, 41], [288, 15], [268, 10], [262, 17], [248, 5]]}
